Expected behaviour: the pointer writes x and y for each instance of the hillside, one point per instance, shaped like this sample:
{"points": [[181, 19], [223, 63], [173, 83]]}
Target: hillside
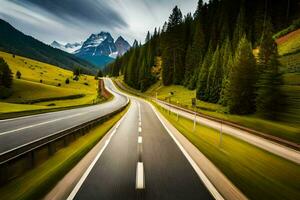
{"points": [[39, 87], [289, 49], [15, 42], [288, 125]]}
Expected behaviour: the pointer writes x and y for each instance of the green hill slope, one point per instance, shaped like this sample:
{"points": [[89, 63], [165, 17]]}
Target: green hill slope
{"points": [[14, 41], [39, 87]]}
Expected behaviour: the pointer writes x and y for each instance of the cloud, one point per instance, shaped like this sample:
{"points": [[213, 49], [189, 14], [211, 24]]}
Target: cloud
{"points": [[75, 20], [89, 11]]}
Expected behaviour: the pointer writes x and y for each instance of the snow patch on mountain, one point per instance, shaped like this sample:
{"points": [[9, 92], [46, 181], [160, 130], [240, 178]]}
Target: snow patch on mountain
{"points": [[69, 47]]}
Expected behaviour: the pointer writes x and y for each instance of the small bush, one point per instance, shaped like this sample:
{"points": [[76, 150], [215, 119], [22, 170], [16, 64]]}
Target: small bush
{"points": [[41, 81], [13, 55], [18, 75], [86, 83], [59, 85], [67, 81], [51, 104]]}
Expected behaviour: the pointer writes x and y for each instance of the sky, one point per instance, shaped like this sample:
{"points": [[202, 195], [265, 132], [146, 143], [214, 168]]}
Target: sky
{"points": [[75, 20]]}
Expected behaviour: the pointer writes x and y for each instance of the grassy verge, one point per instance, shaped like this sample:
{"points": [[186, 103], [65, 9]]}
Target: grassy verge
{"points": [[37, 182], [257, 173], [182, 97]]}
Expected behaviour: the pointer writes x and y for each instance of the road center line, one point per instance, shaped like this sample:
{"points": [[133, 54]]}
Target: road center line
{"points": [[140, 179], [140, 140], [140, 129]]}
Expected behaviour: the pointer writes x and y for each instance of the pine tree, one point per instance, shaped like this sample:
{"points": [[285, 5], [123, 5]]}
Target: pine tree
{"points": [[203, 76], [269, 101], [240, 28], [6, 77], [194, 56], [215, 77], [242, 79], [226, 60], [100, 74], [174, 52]]}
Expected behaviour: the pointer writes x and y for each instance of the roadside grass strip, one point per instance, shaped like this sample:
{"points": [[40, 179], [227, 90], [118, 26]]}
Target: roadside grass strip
{"points": [[257, 173], [37, 182], [287, 129]]}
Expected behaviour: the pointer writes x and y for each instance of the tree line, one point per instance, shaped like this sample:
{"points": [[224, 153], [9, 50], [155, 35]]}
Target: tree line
{"points": [[212, 51]]}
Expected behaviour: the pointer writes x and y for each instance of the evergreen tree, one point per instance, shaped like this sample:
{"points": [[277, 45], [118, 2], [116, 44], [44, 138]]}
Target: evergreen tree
{"points": [[198, 13], [242, 79], [269, 99], [215, 77], [203, 76], [99, 74], [240, 28], [194, 56], [227, 61], [174, 52], [6, 77]]}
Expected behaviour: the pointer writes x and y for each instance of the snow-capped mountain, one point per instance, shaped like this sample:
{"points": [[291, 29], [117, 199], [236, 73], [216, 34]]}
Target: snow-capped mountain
{"points": [[99, 49], [69, 47], [101, 44]]}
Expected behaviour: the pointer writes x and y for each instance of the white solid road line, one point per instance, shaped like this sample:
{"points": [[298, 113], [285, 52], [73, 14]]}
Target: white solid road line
{"points": [[140, 140], [140, 180], [211, 188], [39, 124], [89, 169], [140, 129]]}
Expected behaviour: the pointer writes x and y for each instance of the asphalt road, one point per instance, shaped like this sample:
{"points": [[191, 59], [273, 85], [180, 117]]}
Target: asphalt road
{"points": [[165, 172], [19, 131]]}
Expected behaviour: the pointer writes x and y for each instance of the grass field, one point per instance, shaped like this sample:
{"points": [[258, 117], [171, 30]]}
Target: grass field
{"points": [[37, 182], [289, 43], [257, 173], [40, 83]]}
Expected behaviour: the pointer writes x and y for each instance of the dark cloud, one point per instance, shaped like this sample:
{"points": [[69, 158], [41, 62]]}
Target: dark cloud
{"points": [[90, 11]]}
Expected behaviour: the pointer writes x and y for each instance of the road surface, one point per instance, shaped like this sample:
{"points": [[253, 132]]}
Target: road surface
{"points": [[19, 131], [140, 161]]}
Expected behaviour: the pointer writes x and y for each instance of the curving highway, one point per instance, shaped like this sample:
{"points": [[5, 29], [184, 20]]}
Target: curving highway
{"points": [[20, 131], [140, 161]]}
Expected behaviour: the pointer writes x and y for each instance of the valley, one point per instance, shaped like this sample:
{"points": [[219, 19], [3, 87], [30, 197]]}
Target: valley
{"points": [[41, 81]]}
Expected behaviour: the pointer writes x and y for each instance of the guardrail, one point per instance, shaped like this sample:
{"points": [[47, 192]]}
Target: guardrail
{"points": [[234, 125], [16, 161]]}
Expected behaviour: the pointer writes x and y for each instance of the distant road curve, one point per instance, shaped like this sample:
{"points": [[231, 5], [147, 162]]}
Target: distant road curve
{"points": [[20, 131]]}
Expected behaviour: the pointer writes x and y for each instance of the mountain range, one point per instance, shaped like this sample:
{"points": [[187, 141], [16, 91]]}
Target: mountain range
{"points": [[69, 47], [15, 42], [99, 49]]}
